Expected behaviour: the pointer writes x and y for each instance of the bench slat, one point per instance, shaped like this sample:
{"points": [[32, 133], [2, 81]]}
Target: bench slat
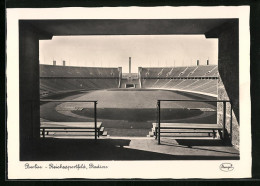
{"points": [[188, 126], [185, 132], [53, 134], [70, 124], [59, 130], [183, 129]]}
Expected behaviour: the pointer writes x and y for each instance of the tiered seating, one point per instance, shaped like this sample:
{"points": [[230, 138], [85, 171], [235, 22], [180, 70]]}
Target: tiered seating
{"points": [[201, 79], [59, 79], [213, 72], [161, 83], [155, 72], [163, 72], [67, 71], [148, 83], [202, 71], [173, 82], [193, 71], [205, 84], [187, 71], [176, 72]]}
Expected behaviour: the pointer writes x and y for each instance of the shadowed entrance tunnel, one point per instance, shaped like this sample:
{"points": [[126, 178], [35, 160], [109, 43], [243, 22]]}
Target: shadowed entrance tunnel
{"points": [[31, 31]]}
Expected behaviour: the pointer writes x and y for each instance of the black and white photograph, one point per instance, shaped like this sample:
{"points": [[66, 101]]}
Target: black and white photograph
{"points": [[97, 94]]}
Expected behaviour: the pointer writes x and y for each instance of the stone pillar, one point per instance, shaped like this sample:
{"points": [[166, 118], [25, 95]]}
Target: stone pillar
{"points": [[29, 87], [228, 67]]}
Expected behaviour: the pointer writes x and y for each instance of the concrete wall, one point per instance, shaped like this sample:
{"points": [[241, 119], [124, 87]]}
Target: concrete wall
{"points": [[29, 87], [29, 91], [228, 84], [132, 81]]}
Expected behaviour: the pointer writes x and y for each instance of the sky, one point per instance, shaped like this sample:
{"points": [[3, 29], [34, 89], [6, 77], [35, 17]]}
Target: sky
{"points": [[114, 51]]}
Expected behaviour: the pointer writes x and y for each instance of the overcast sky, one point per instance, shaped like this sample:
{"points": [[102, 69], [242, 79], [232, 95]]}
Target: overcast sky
{"points": [[114, 51]]}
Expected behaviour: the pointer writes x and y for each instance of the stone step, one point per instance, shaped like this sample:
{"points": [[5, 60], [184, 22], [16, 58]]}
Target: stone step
{"points": [[104, 133]]}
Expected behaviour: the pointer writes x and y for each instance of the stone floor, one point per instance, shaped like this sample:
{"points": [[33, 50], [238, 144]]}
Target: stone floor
{"points": [[186, 147], [128, 148]]}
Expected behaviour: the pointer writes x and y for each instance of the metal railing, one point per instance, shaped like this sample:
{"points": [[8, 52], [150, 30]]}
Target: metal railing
{"points": [[95, 110], [214, 101]]}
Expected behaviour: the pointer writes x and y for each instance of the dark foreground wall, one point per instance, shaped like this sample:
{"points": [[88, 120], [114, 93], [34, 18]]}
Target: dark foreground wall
{"points": [[29, 85], [228, 84], [228, 87], [29, 91]]}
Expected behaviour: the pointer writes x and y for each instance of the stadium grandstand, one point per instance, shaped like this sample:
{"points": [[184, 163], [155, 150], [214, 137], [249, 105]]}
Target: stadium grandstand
{"points": [[63, 79], [200, 79]]}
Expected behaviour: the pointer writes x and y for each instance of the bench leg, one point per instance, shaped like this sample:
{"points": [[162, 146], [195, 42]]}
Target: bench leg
{"points": [[220, 134], [214, 134], [43, 132]]}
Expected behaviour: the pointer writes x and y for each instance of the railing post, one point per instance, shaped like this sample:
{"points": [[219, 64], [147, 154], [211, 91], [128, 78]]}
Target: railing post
{"points": [[159, 122], [95, 116], [231, 127], [156, 126], [43, 133], [224, 119]]}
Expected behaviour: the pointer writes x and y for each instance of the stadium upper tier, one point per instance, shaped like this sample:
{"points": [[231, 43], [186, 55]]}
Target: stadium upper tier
{"points": [[86, 72], [192, 71], [200, 79], [62, 79]]}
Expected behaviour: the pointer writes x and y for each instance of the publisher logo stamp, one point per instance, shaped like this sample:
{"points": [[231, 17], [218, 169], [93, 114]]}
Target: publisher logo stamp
{"points": [[226, 167]]}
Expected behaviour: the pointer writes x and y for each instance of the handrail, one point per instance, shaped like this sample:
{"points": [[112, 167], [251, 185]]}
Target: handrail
{"points": [[76, 77], [195, 100], [95, 108], [224, 114], [63, 100]]}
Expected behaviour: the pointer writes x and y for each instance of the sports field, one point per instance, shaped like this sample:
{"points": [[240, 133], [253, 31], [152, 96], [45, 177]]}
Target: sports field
{"points": [[131, 112]]}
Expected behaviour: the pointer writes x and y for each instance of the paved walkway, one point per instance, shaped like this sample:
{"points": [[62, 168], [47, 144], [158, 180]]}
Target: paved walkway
{"points": [[129, 148], [185, 147]]}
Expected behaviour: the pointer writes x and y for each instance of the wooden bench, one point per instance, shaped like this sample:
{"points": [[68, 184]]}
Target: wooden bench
{"points": [[72, 128], [186, 128]]}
